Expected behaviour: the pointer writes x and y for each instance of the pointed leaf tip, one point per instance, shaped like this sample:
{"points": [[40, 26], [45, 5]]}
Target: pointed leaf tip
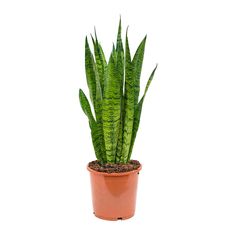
{"points": [[154, 69], [95, 33], [92, 39], [127, 29], [120, 24], [86, 41]]}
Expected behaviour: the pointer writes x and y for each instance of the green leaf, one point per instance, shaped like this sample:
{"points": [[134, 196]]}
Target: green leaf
{"points": [[149, 81], [90, 73], [98, 111], [94, 85], [119, 54], [101, 63], [119, 44], [102, 53], [137, 115], [96, 139], [138, 111], [111, 110], [98, 103], [119, 147], [86, 106], [92, 124], [120, 69], [114, 53], [128, 103], [137, 63]]}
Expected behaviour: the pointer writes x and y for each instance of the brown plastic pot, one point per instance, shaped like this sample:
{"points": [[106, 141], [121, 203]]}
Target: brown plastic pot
{"points": [[114, 194]]}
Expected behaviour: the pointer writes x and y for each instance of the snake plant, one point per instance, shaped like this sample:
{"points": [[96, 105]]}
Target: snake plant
{"points": [[114, 93]]}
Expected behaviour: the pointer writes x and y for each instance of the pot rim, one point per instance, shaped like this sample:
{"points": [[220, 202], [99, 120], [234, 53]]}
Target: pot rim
{"points": [[114, 174]]}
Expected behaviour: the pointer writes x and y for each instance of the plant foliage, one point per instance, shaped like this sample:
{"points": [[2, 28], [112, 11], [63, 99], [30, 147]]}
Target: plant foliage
{"points": [[114, 88]]}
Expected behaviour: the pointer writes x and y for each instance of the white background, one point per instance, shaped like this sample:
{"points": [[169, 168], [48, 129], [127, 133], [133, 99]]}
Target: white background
{"points": [[187, 135]]}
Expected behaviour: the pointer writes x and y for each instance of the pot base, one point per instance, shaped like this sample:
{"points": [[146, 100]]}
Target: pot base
{"points": [[113, 219]]}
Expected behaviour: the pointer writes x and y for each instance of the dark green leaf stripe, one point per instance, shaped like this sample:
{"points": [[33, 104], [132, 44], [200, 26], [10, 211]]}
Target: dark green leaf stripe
{"points": [[111, 110], [128, 103], [138, 111], [137, 63]]}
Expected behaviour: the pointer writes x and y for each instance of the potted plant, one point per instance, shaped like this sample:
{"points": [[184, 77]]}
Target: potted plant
{"points": [[114, 93]]}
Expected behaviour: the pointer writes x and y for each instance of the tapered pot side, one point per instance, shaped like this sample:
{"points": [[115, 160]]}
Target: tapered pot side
{"points": [[114, 194]]}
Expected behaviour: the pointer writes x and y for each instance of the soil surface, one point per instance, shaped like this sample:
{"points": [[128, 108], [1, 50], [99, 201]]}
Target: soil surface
{"points": [[114, 168]]}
